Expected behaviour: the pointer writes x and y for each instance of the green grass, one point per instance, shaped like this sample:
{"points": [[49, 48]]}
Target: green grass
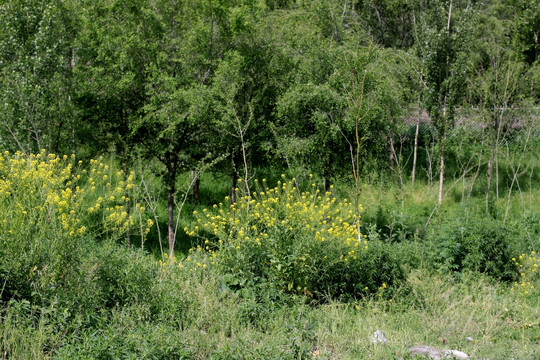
{"points": [[447, 313], [441, 313]]}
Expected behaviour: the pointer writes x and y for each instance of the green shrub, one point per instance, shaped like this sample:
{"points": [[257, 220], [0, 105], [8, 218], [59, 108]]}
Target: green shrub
{"points": [[529, 226], [26, 331], [529, 280], [111, 276], [394, 224], [474, 243], [52, 209], [126, 337], [37, 228], [303, 243]]}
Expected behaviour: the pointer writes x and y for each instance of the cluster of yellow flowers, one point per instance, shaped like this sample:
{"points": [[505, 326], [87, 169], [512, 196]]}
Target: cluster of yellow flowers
{"points": [[528, 269], [59, 192], [114, 202], [255, 218], [39, 188]]}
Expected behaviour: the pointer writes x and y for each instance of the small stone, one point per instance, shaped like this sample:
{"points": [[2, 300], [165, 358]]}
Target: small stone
{"points": [[469, 339], [437, 354], [455, 354], [379, 337], [428, 351]]}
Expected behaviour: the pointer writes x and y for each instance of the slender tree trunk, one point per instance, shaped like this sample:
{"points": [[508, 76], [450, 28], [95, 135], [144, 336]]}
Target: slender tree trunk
{"points": [[490, 174], [496, 155], [445, 119], [196, 186], [415, 150], [246, 170], [392, 160], [492, 155], [234, 178], [170, 208], [326, 176], [327, 183], [429, 167], [400, 174], [441, 178], [497, 170], [59, 126], [171, 180]]}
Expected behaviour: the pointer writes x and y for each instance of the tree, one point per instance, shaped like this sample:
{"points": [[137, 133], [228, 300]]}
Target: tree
{"points": [[234, 116], [175, 123], [116, 45], [443, 50], [310, 107], [396, 90], [36, 74], [390, 22], [112, 53], [498, 77], [241, 96]]}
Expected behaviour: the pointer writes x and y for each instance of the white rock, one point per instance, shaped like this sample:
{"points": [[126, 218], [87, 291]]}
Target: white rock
{"points": [[379, 337], [455, 354], [437, 354]]}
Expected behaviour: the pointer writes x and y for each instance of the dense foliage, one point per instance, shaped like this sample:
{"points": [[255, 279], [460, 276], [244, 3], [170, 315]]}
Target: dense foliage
{"points": [[124, 122], [271, 81], [310, 87], [276, 263], [300, 242], [53, 207]]}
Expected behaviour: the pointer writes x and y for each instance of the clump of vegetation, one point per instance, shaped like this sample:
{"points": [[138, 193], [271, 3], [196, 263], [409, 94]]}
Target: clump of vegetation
{"points": [[527, 265], [302, 242], [426, 112], [477, 244], [53, 210]]}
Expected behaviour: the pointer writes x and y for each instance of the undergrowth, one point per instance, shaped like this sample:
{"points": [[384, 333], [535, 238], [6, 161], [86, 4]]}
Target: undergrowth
{"points": [[283, 273]]}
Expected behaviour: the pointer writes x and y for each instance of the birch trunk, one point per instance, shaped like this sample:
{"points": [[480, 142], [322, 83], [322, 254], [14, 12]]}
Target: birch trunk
{"points": [[415, 151], [170, 206], [441, 178]]}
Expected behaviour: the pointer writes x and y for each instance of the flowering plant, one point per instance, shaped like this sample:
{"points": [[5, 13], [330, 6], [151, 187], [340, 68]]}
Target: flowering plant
{"points": [[49, 205], [303, 242]]}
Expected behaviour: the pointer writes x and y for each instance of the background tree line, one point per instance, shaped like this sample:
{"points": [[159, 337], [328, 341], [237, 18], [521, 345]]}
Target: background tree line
{"points": [[332, 88]]}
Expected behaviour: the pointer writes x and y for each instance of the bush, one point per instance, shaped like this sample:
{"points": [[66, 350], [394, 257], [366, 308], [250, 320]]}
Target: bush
{"points": [[477, 244], [303, 243], [109, 276], [36, 232], [51, 208], [124, 336], [527, 265]]}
